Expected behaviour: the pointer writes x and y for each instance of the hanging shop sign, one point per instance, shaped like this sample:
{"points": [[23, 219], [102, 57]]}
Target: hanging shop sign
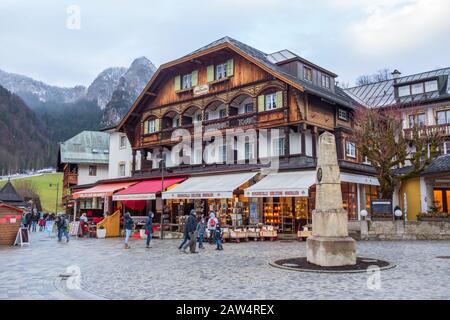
{"points": [[277, 193], [137, 196]]}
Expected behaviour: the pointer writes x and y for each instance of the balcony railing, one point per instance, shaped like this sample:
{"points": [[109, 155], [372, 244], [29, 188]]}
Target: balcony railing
{"points": [[440, 129], [70, 178]]}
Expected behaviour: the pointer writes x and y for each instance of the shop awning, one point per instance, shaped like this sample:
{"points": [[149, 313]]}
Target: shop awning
{"points": [[102, 190], [297, 184], [145, 190], [219, 186], [359, 178], [283, 184]]}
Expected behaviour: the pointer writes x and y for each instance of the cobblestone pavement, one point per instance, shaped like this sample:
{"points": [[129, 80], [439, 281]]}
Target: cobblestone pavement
{"points": [[240, 271]]}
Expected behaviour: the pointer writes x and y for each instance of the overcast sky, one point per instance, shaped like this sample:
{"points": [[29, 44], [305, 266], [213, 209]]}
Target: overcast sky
{"points": [[41, 39]]}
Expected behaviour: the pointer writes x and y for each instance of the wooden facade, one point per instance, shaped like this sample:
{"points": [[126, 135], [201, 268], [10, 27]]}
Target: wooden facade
{"points": [[163, 101]]}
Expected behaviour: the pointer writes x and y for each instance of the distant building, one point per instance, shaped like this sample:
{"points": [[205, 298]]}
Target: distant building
{"points": [[423, 99], [10, 196], [84, 160], [120, 155]]}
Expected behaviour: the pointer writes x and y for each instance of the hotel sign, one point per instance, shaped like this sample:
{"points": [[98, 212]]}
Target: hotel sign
{"points": [[137, 196], [276, 193], [201, 90]]}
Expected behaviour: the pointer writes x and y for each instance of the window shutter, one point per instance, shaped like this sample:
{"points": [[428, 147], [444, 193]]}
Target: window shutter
{"points": [[230, 67], [194, 78], [145, 126], [261, 106], [279, 97], [210, 73], [177, 83], [157, 124]]}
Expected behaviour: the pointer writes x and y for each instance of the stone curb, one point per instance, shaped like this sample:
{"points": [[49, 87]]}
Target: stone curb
{"points": [[273, 264]]}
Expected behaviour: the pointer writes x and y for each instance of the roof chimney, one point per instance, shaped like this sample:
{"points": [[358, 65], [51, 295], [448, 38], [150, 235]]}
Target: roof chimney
{"points": [[395, 75]]}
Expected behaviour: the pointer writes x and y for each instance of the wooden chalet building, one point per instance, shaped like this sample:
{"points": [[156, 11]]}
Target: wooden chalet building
{"points": [[227, 85]]}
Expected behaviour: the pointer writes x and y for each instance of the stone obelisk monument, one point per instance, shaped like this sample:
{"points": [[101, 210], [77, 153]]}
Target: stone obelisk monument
{"points": [[330, 244]]}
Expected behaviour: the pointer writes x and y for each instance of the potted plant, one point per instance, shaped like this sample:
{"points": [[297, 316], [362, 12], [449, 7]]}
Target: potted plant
{"points": [[101, 232]]}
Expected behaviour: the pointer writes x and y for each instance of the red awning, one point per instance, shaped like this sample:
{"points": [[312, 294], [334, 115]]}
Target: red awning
{"points": [[145, 190], [102, 190]]}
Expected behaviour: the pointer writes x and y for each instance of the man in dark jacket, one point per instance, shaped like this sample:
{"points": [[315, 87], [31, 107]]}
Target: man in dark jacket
{"points": [[128, 225], [62, 224], [190, 233]]}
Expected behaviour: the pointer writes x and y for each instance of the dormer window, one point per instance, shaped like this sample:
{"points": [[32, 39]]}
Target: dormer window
{"points": [[307, 73], [417, 88], [325, 81], [431, 86]]}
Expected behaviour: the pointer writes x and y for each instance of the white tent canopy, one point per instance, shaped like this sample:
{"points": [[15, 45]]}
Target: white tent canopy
{"points": [[219, 186], [283, 184], [297, 183]]}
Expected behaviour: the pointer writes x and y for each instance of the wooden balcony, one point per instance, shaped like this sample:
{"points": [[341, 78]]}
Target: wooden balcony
{"points": [[70, 179], [440, 129]]}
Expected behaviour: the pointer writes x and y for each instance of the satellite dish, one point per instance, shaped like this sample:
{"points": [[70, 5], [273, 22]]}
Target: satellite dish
{"points": [[363, 213], [398, 213]]}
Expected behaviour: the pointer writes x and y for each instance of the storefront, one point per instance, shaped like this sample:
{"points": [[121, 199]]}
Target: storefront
{"points": [[144, 196], [286, 199], [222, 193], [96, 202]]}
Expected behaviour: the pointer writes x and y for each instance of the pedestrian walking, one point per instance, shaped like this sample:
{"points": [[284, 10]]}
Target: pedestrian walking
{"points": [[218, 237], [212, 224], [149, 228], [190, 235], [128, 224], [28, 219], [201, 228], [34, 221], [62, 225]]}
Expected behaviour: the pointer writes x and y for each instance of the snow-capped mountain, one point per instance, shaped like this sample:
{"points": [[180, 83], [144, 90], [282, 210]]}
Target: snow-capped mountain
{"points": [[103, 86], [130, 86], [30, 89]]}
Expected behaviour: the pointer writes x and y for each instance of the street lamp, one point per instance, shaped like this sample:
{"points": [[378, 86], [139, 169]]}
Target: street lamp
{"points": [[57, 195], [162, 203]]}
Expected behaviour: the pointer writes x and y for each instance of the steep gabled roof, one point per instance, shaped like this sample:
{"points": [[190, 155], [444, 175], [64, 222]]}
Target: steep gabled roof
{"points": [[256, 56], [9, 194], [382, 93], [86, 147]]}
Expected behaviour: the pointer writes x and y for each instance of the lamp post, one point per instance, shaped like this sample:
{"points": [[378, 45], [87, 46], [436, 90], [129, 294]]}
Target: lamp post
{"points": [[162, 203]]}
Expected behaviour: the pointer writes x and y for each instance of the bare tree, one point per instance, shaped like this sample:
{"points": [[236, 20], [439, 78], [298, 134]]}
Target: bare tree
{"points": [[380, 75], [382, 139], [379, 135]]}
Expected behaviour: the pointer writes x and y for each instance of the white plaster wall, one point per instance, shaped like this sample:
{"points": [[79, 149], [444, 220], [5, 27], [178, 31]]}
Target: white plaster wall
{"points": [[119, 155], [308, 143], [85, 178], [295, 143]]}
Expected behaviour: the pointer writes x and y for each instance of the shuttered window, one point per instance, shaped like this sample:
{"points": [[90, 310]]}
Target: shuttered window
{"points": [[151, 126], [194, 78], [210, 73], [177, 83]]}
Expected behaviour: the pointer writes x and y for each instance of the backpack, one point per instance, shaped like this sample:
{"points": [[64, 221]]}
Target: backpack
{"points": [[212, 223]]}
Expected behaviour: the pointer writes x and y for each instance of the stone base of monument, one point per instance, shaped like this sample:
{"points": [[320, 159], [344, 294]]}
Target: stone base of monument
{"points": [[362, 265], [331, 251]]}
